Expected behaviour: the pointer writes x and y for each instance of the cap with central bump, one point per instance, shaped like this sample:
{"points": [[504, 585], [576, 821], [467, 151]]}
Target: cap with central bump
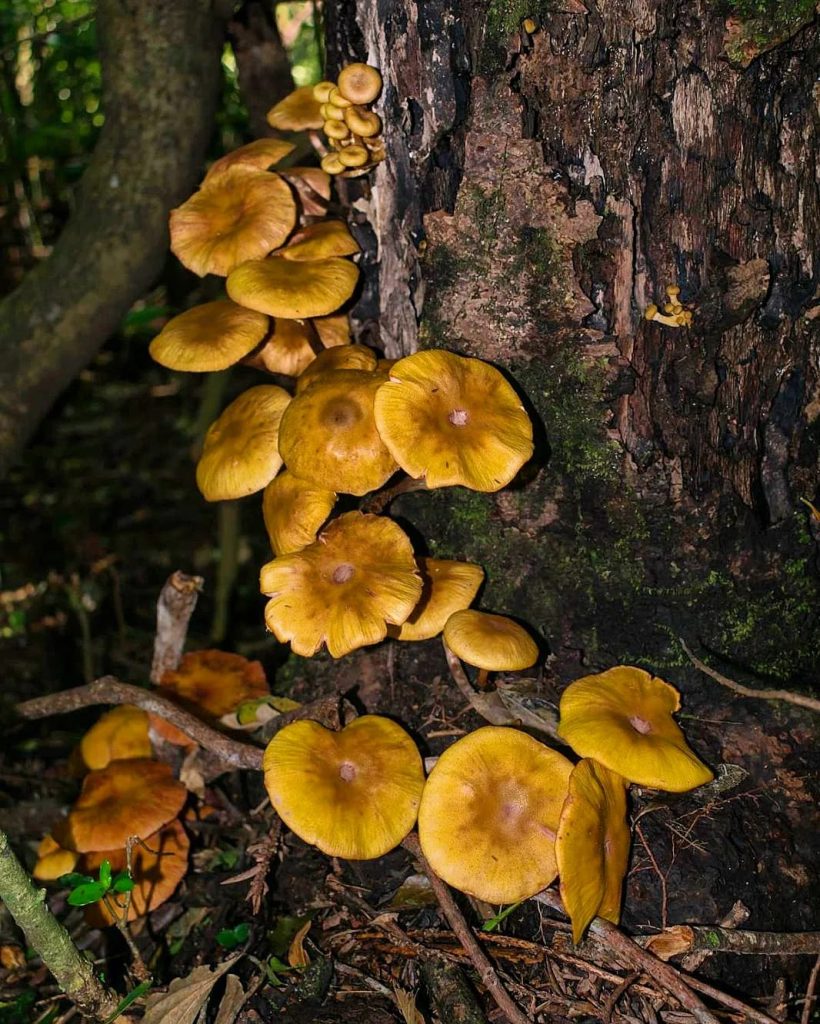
{"points": [[212, 336], [353, 793], [344, 589]]}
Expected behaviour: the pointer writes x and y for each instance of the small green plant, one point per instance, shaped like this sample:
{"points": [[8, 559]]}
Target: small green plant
{"points": [[230, 938], [86, 890], [492, 923]]}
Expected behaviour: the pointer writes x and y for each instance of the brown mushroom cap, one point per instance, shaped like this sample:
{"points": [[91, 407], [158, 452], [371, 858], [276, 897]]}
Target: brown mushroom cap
{"points": [[592, 845], [297, 112], [359, 83], [240, 454], [291, 289], [491, 642], [353, 793], [623, 718], [294, 511], [344, 589], [156, 872], [239, 215], [453, 420], [328, 434], [260, 155], [126, 798], [448, 587], [209, 337], [489, 814]]}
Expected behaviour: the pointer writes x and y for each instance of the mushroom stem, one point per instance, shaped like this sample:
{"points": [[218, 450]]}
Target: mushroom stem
{"points": [[379, 502], [458, 673], [482, 678], [317, 143]]}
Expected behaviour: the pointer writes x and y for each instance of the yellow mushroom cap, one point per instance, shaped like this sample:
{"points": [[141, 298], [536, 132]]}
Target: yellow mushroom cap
{"points": [[126, 798], [209, 337], [334, 129], [292, 289], [156, 870], [333, 330], [260, 155], [328, 434], [239, 215], [448, 587], [491, 642], [359, 83], [293, 511], [53, 860], [453, 420], [336, 99], [340, 357], [354, 156], [343, 589], [489, 814], [353, 793], [592, 845], [319, 241], [322, 90], [297, 112], [623, 718], [120, 734], [332, 164], [363, 122], [289, 350], [240, 454]]}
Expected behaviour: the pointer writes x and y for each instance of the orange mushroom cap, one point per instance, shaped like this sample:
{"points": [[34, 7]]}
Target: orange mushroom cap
{"points": [[289, 350], [156, 872], [343, 589], [120, 734], [492, 642], [294, 511], [489, 814], [623, 718], [297, 112], [126, 798], [448, 587], [53, 860], [260, 155], [328, 434], [453, 420], [209, 337], [293, 289], [320, 241], [240, 454], [353, 793], [239, 215], [214, 682], [592, 845]]}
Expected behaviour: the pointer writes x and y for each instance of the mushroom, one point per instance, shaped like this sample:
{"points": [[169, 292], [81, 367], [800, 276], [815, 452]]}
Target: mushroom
{"points": [[53, 860], [126, 798], [328, 434], [289, 350], [353, 793], [623, 718], [333, 330], [359, 83], [448, 587], [344, 589], [354, 156], [293, 289], [341, 357], [120, 734], [332, 164], [294, 511], [297, 112], [261, 154], [239, 215], [240, 454], [312, 186], [319, 241], [212, 336], [492, 643], [453, 420], [322, 91], [362, 122], [592, 845], [158, 865], [489, 814]]}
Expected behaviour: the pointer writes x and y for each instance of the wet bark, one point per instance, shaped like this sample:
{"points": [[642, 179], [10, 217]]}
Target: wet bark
{"points": [[161, 79]]}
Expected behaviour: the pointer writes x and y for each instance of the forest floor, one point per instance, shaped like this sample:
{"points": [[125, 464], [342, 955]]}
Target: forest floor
{"points": [[100, 512]]}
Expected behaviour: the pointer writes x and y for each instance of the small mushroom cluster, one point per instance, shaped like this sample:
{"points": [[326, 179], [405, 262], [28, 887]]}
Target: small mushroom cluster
{"points": [[501, 815], [128, 794], [673, 313]]}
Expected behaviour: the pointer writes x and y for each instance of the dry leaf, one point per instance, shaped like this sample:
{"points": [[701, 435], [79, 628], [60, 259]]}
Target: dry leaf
{"points": [[12, 957], [671, 942], [407, 1005], [185, 997], [297, 957], [190, 774], [232, 1001]]}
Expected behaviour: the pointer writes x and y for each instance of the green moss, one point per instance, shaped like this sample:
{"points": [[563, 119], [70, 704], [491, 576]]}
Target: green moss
{"points": [[504, 17], [441, 267], [773, 18]]}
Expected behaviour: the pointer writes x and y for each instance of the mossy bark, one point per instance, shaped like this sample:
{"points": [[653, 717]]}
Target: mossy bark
{"points": [[161, 78]]}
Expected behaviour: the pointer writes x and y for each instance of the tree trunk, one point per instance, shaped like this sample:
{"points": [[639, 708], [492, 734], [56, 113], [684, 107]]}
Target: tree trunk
{"points": [[161, 80]]}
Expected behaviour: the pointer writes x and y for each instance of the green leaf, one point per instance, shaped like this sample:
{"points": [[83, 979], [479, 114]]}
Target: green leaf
{"points": [[87, 893], [123, 882], [492, 923], [73, 879], [105, 874], [230, 938], [132, 997]]}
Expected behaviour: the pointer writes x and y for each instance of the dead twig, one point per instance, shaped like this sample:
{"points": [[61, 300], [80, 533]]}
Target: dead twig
{"points": [[805, 1016], [800, 699], [464, 933], [175, 607]]}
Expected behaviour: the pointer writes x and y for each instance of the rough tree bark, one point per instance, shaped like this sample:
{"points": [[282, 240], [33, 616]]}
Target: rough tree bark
{"points": [[161, 79]]}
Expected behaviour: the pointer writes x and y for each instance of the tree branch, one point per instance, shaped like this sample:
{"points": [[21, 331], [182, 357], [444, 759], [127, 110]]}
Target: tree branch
{"points": [[161, 73]]}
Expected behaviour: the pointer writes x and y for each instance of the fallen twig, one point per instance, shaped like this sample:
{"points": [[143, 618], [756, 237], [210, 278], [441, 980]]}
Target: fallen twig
{"points": [[464, 934], [805, 1016], [175, 607], [800, 699]]}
